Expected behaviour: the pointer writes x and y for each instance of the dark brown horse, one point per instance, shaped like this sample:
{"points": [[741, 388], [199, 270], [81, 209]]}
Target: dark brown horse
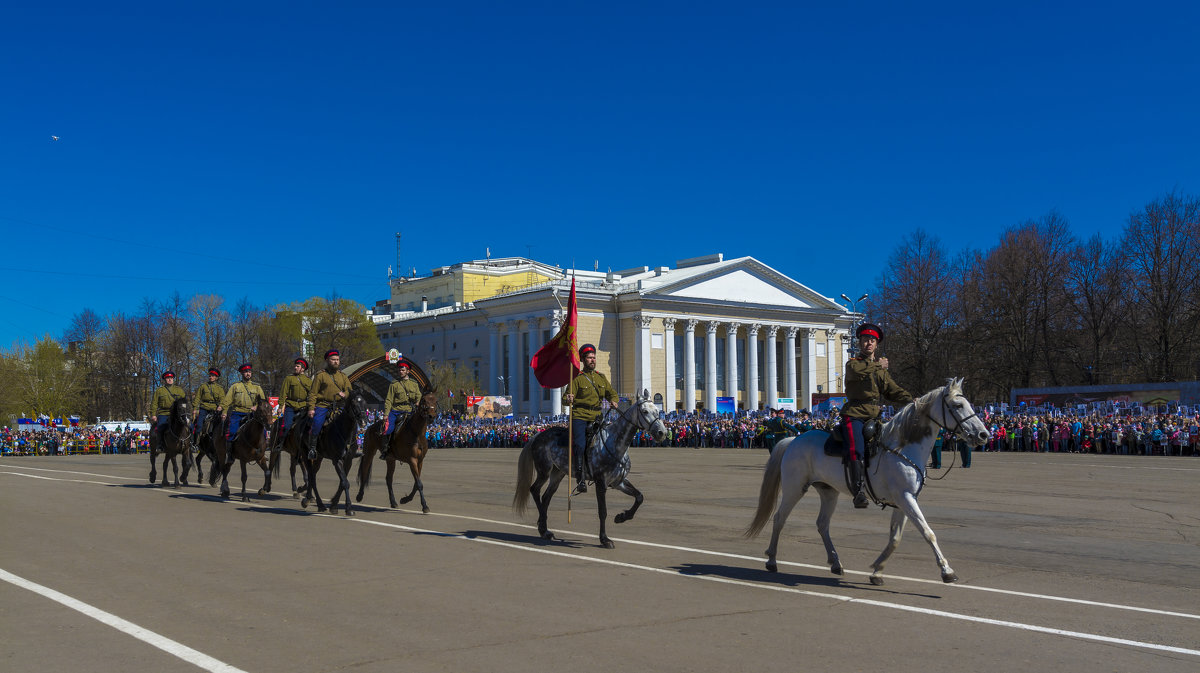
{"points": [[408, 444], [289, 442], [337, 442], [249, 445], [204, 446], [175, 442]]}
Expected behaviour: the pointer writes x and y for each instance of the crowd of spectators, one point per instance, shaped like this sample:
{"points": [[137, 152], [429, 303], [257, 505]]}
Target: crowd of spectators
{"points": [[1149, 434]]}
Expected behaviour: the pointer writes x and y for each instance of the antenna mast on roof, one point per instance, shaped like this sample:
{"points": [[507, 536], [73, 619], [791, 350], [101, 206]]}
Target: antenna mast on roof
{"points": [[398, 272]]}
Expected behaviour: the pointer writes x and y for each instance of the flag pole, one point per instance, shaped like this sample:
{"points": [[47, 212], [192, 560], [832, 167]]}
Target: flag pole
{"points": [[570, 449]]}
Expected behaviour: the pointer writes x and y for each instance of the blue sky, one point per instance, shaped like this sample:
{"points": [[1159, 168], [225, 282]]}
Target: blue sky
{"points": [[271, 150]]}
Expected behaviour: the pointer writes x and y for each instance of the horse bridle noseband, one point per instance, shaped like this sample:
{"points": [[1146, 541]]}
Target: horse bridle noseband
{"points": [[947, 410]]}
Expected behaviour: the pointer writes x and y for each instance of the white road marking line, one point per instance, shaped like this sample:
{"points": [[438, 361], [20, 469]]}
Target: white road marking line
{"points": [[145, 635], [803, 592], [759, 559]]}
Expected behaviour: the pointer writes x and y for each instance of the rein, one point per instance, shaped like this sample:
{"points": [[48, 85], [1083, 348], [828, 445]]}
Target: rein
{"points": [[946, 410]]}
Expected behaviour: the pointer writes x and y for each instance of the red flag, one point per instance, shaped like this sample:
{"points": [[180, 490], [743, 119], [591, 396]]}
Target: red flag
{"points": [[555, 364]]}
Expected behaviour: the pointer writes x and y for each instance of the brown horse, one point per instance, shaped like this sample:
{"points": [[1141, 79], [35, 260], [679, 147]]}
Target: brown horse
{"points": [[174, 442], [408, 443], [289, 442], [248, 446]]}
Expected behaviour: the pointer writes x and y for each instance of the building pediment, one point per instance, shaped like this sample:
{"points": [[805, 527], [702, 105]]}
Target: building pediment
{"points": [[743, 280]]}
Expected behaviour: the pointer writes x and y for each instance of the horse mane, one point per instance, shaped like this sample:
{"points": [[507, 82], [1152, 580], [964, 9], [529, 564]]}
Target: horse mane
{"points": [[907, 426]]}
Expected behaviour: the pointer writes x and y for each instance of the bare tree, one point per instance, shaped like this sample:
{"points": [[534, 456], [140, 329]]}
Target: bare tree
{"points": [[1161, 243], [1095, 283], [913, 302]]}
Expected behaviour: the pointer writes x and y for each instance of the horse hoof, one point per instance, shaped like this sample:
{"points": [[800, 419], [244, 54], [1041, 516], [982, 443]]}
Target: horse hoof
{"points": [[837, 569], [771, 567], [358, 498], [322, 508], [949, 577], [424, 510], [262, 492], [620, 518], [547, 535], [877, 580], [607, 544], [245, 498], [304, 503], [349, 512]]}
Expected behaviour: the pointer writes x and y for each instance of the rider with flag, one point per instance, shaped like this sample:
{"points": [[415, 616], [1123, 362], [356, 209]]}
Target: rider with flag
{"points": [[867, 384], [584, 396]]}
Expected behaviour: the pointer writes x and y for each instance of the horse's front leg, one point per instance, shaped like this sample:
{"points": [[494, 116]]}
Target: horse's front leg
{"points": [[174, 472], [311, 467], [628, 489], [602, 507], [343, 473], [912, 510], [153, 458], [414, 466], [187, 463]]}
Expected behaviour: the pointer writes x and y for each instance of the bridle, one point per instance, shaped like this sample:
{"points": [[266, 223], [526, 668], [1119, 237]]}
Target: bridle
{"points": [[947, 410]]}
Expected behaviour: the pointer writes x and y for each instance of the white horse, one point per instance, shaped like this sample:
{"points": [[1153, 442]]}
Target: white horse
{"points": [[896, 475]]}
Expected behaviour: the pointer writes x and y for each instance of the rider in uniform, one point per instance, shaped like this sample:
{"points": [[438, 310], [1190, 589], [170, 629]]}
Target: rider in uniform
{"points": [[164, 399], [328, 386], [584, 395], [402, 395], [241, 398], [867, 384], [208, 397], [293, 396]]}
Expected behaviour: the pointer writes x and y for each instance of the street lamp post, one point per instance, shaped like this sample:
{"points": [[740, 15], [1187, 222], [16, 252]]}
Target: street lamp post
{"points": [[503, 385]]}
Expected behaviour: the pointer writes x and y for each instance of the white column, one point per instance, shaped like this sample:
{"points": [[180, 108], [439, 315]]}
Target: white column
{"points": [[771, 373], [669, 349], [832, 347], [731, 371], [535, 342], [641, 354], [710, 367], [556, 393], [789, 359], [808, 376], [689, 365], [514, 364], [495, 364], [845, 337], [752, 366]]}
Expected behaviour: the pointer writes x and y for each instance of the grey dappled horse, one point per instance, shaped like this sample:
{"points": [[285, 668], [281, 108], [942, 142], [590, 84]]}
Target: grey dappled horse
{"points": [[608, 460], [896, 474]]}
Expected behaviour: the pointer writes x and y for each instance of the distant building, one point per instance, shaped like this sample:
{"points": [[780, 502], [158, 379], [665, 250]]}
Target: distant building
{"points": [[687, 334]]}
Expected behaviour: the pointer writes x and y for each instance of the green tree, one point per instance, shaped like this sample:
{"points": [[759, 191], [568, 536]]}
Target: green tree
{"points": [[46, 382]]}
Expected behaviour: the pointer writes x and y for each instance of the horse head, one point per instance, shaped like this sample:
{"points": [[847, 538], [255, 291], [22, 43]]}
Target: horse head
{"points": [[356, 404], [954, 412], [181, 409], [427, 405], [648, 418]]}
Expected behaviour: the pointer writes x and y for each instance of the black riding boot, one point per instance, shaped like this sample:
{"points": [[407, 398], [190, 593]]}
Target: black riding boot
{"points": [[581, 486], [307, 443], [856, 485]]}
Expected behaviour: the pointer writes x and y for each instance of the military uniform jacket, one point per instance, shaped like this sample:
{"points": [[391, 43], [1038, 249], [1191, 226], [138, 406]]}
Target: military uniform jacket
{"points": [[241, 396], [780, 428], [295, 391], [325, 388], [589, 388], [867, 384], [208, 396], [402, 395], [164, 397]]}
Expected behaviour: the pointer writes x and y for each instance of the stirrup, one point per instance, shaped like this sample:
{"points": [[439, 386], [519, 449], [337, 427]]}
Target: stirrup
{"points": [[860, 501], [580, 487]]}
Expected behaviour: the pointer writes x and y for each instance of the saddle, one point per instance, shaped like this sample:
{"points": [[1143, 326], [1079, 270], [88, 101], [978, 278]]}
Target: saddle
{"points": [[836, 444]]}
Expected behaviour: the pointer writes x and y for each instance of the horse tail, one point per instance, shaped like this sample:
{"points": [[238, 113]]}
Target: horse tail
{"points": [[368, 459], [276, 460], [768, 492], [214, 470], [525, 472]]}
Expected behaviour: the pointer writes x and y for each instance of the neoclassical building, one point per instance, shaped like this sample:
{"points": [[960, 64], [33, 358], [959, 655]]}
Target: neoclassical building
{"points": [[704, 329]]}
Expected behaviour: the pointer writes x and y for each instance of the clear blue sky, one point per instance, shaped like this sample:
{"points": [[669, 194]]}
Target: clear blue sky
{"points": [[271, 150]]}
